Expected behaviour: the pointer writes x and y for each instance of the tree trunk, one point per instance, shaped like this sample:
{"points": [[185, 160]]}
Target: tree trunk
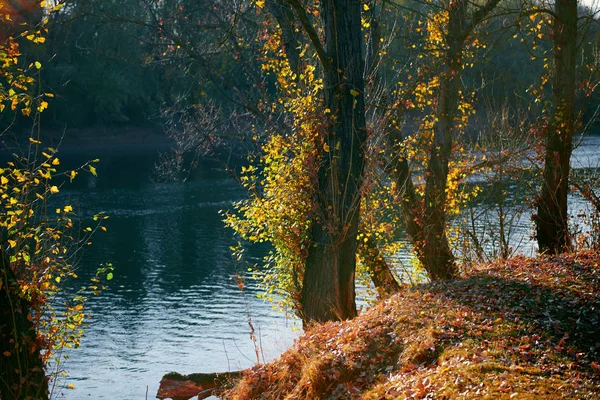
{"points": [[379, 270], [439, 261], [22, 373], [552, 218], [328, 289]]}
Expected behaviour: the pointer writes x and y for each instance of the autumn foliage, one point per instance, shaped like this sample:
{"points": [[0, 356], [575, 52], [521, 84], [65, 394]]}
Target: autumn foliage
{"points": [[39, 316], [524, 328]]}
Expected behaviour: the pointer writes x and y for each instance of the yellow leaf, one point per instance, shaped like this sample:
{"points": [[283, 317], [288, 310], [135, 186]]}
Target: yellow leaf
{"points": [[365, 7], [54, 189], [73, 175], [68, 209], [12, 243], [93, 170], [260, 3], [3, 180], [57, 279], [56, 161]]}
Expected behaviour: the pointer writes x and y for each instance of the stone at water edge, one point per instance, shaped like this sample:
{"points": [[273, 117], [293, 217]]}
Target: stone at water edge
{"points": [[183, 387], [178, 390]]}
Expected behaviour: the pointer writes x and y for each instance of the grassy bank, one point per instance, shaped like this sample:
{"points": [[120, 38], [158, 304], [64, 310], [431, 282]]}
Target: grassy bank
{"points": [[523, 328]]}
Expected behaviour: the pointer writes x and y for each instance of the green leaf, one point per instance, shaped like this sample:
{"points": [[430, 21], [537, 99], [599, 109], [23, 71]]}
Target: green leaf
{"points": [[109, 276], [38, 64]]}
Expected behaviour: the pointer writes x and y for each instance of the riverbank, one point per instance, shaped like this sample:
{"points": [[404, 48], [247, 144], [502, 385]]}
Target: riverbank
{"points": [[522, 328], [118, 139]]}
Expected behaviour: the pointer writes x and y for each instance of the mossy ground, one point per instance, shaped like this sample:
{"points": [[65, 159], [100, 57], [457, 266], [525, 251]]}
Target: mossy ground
{"points": [[522, 328]]}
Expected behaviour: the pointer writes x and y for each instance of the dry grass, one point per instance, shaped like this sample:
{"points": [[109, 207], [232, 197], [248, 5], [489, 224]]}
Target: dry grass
{"points": [[523, 328]]}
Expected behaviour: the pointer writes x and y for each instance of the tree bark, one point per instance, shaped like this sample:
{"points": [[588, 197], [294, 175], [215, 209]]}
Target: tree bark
{"points": [[439, 260], [379, 270], [284, 14], [22, 374], [328, 290], [552, 218], [436, 254]]}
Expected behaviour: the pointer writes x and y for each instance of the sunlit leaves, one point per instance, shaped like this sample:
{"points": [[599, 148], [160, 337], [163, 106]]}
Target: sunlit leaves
{"points": [[280, 179], [39, 244]]}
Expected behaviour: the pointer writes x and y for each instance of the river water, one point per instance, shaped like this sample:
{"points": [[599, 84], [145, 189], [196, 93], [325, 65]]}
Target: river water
{"points": [[173, 304]]}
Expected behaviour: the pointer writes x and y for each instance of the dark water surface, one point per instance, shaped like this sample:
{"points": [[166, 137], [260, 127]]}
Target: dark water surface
{"points": [[173, 305]]}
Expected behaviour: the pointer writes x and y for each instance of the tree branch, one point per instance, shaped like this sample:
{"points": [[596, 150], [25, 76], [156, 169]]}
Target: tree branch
{"points": [[311, 32]]}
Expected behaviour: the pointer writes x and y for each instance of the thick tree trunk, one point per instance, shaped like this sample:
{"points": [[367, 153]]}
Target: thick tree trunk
{"points": [[328, 290], [22, 373], [552, 219]]}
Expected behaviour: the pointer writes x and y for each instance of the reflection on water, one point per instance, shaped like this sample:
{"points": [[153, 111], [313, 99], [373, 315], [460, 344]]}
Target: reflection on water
{"points": [[173, 304]]}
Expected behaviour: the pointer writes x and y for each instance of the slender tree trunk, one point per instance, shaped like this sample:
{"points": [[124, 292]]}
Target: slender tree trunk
{"points": [[22, 374], [410, 204], [439, 261], [328, 288], [379, 270], [552, 217]]}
